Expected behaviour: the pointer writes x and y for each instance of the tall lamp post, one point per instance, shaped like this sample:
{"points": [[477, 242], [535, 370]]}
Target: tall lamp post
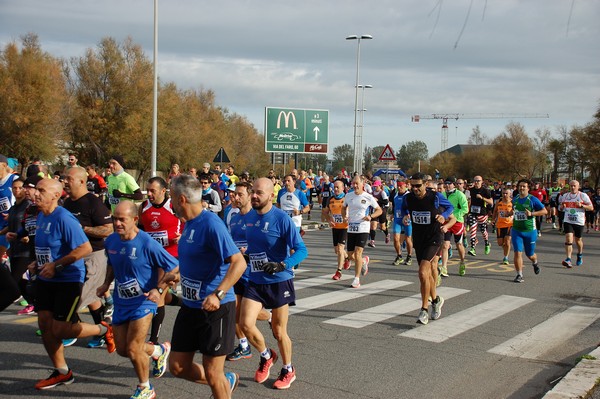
{"points": [[153, 155], [357, 160], [360, 131]]}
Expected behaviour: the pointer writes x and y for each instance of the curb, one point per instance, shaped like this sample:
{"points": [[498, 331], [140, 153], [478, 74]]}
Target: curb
{"points": [[579, 381]]}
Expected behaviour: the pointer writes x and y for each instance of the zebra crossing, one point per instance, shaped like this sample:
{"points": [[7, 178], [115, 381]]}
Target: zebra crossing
{"points": [[530, 344]]}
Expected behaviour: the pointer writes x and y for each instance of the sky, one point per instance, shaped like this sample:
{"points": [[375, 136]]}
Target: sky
{"points": [[469, 57]]}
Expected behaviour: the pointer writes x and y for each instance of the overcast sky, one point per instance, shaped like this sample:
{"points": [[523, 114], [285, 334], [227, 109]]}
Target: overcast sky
{"points": [[509, 57]]}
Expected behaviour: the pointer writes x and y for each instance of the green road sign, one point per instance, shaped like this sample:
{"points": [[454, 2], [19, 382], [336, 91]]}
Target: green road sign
{"points": [[296, 130]]}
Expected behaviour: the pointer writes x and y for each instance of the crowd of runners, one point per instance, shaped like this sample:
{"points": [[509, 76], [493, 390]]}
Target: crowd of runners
{"points": [[223, 249]]}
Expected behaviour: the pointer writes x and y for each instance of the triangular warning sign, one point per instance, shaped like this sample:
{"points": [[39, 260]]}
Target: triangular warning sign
{"points": [[387, 154], [221, 156]]}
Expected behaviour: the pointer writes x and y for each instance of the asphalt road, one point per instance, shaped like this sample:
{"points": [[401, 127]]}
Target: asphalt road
{"points": [[495, 339]]}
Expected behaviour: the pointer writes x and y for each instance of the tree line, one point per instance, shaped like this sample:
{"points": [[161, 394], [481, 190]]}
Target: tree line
{"points": [[100, 104]]}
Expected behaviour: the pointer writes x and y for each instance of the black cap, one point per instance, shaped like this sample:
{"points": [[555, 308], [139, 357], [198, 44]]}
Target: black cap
{"points": [[214, 172], [32, 181], [119, 159], [450, 179]]}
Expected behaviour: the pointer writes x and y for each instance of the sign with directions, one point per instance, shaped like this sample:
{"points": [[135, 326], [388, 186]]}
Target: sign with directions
{"points": [[296, 130], [387, 154]]}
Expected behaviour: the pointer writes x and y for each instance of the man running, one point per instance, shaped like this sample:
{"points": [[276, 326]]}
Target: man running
{"points": [[210, 264], [402, 232], [133, 262], [480, 198], [121, 185], [523, 234], [339, 229], [574, 204], [427, 211], [358, 205], [461, 208], [271, 238]]}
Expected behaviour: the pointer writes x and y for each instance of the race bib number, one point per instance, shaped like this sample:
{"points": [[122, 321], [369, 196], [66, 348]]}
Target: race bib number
{"points": [[572, 217], [113, 200], [257, 261], [4, 204], [290, 213], [421, 217], [520, 216], [502, 214], [162, 237], [475, 209], [398, 214], [129, 289], [190, 289], [337, 218], [43, 256], [30, 224], [325, 194], [353, 227]]}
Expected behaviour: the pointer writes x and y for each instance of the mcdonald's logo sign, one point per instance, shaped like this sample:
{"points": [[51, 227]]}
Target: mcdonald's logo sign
{"points": [[286, 119]]}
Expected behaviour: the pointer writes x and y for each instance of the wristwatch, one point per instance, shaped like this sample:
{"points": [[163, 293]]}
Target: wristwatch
{"points": [[160, 290], [59, 268], [220, 294]]}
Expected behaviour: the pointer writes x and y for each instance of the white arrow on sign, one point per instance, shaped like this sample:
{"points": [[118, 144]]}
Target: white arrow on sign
{"points": [[316, 130]]}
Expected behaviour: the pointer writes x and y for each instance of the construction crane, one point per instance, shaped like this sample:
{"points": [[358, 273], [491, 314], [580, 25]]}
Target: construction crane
{"points": [[445, 117]]}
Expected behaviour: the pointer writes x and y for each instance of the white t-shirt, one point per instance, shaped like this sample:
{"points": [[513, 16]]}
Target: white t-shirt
{"points": [[568, 203], [359, 207]]}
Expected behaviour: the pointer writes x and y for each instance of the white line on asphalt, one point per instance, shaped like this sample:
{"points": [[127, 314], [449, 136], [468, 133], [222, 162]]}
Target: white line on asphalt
{"points": [[319, 301], [457, 323], [536, 341], [388, 310], [321, 280]]}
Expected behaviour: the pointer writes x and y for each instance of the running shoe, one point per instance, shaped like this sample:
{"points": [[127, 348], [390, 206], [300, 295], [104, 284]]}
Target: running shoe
{"points": [[23, 302], [462, 269], [27, 310], [449, 252], [487, 249], [505, 260], [239, 353], [365, 266], [56, 378], [144, 393], [109, 337], [264, 367], [337, 275], [444, 271], [387, 241], [371, 243], [438, 280], [355, 282], [518, 279], [285, 379], [234, 380], [567, 263], [437, 308], [96, 342], [579, 261], [398, 261], [554, 226], [539, 233], [408, 261], [159, 365], [109, 309], [440, 262], [423, 317], [38, 332], [68, 342], [472, 251], [536, 268], [346, 264]]}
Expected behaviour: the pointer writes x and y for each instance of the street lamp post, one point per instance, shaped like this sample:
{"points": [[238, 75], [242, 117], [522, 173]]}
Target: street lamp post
{"points": [[359, 134], [357, 160]]}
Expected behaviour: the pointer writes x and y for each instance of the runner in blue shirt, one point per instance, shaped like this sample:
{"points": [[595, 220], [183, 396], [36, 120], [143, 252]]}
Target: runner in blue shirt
{"points": [[210, 264], [134, 258], [272, 236], [60, 246]]}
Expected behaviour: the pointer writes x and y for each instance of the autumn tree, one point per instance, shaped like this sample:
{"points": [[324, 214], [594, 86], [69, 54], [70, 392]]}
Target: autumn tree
{"points": [[514, 150], [32, 102], [343, 157], [409, 155]]}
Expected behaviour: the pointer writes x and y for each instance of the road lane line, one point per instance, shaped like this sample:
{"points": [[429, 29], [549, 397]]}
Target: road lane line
{"points": [[388, 310], [536, 341], [447, 327], [330, 298], [320, 280]]}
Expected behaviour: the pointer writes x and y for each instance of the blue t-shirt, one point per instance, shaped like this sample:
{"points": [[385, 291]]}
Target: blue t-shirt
{"points": [[270, 236], [204, 246], [7, 199], [57, 234], [135, 264], [237, 228]]}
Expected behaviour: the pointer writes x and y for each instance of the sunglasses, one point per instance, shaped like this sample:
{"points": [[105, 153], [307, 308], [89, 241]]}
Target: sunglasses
{"points": [[416, 185]]}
